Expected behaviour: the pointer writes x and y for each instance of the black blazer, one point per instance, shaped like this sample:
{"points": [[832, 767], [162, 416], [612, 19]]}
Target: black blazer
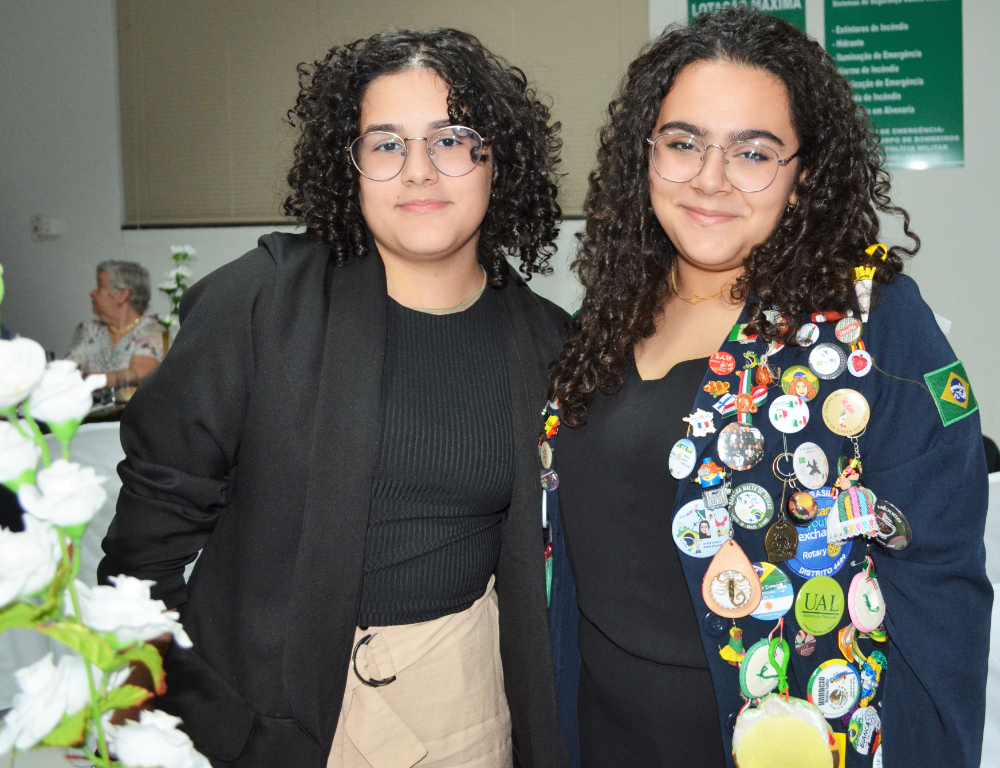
{"points": [[254, 441]]}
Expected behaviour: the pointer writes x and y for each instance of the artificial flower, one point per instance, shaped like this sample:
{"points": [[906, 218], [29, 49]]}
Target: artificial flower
{"points": [[154, 740], [28, 560], [63, 394], [19, 455], [48, 692], [189, 250], [22, 365], [127, 610], [66, 494]]}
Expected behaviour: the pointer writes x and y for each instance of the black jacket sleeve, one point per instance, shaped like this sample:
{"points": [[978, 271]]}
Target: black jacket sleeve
{"points": [[181, 431]]}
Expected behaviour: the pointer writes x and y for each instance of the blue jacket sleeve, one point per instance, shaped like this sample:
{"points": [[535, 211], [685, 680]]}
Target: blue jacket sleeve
{"points": [[937, 594]]}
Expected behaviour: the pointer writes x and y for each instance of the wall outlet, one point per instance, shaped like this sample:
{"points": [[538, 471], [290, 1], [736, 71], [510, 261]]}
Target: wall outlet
{"points": [[46, 228]]}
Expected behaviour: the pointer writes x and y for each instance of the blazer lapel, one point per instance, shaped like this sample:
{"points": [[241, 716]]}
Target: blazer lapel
{"points": [[329, 565]]}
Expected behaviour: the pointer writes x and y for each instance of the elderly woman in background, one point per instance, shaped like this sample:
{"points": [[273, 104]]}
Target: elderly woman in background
{"points": [[122, 342]]}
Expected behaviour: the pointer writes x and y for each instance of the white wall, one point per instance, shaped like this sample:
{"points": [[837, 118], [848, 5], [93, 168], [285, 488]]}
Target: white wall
{"points": [[59, 155]]}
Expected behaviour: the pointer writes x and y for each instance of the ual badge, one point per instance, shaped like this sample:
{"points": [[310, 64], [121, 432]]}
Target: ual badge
{"points": [[952, 393]]}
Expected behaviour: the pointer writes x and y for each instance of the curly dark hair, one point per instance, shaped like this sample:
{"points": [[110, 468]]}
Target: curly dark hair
{"points": [[805, 265], [485, 93]]}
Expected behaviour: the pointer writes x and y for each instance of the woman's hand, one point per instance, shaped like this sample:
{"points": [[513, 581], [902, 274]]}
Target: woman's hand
{"points": [[139, 367]]}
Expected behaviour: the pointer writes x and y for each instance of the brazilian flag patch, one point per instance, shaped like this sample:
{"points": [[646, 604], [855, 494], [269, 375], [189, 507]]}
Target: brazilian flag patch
{"points": [[951, 391]]}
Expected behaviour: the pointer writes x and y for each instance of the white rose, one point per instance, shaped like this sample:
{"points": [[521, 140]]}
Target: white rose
{"points": [[47, 693], [179, 272], [28, 560], [18, 454], [67, 494], [127, 610], [22, 364], [154, 740], [64, 394], [189, 250]]}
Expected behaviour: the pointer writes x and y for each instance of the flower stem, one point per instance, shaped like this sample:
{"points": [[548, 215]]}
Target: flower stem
{"points": [[39, 437], [11, 414], [95, 710]]}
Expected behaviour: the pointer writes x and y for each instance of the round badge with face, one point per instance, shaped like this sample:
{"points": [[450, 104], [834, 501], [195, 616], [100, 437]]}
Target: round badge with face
{"points": [[805, 644], [758, 677], [819, 605], [846, 412], [776, 592], [789, 414], [752, 506], [863, 729], [802, 508], [810, 465], [807, 335], [827, 361], [816, 556], [545, 454], [682, 459], [834, 687], [859, 363], [698, 531], [847, 330], [741, 446], [722, 363], [800, 381]]}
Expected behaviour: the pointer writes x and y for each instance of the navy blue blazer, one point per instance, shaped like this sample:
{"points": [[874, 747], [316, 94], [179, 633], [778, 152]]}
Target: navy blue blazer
{"points": [[932, 697]]}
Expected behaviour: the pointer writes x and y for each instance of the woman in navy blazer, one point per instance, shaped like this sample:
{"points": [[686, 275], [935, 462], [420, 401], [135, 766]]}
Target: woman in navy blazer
{"points": [[737, 197]]}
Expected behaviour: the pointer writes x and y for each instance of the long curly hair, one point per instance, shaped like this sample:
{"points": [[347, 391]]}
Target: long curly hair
{"points": [[804, 265], [485, 93]]}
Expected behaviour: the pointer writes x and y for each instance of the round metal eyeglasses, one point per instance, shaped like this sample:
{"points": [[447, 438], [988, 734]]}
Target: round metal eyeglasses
{"points": [[750, 166], [380, 155]]}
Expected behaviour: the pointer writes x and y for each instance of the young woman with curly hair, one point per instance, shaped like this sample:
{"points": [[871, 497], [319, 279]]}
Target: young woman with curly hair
{"points": [[736, 199], [345, 427]]}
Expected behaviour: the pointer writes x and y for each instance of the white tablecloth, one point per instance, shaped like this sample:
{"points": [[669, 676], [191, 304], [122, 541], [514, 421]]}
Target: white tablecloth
{"points": [[97, 446]]}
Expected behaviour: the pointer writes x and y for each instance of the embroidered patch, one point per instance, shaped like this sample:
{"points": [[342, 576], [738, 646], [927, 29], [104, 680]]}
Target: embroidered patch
{"points": [[952, 393]]}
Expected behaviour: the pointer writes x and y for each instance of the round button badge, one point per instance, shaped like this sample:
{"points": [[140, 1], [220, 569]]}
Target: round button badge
{"points": [[741, 446], [682, 459], [807, 335], [816, 556], [698, 531], [819, 605], [863, 729], [827, 361], [800, 381], [776, 592], [847, 330], [834, 687], [859, 363], [810, 465], [805, 644], [550, 480], [789, 414], [802, 508], [752, 506], [722, 363], [846, 412]]}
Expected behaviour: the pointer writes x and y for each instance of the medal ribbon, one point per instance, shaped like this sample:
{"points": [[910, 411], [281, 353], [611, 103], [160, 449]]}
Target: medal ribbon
{"points": [[746, 389]]}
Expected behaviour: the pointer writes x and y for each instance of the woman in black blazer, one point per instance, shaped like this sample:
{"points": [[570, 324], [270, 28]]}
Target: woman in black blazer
{"points": [[346, 430]]}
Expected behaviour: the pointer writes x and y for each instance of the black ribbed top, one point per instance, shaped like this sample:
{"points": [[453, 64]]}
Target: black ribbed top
{"points": [[444, 469]]}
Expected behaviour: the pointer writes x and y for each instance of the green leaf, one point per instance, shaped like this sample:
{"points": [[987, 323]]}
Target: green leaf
{"points": [[84, 640], [150, 658], [124, 697], [18, 615], [71, 730], [25, 478]]}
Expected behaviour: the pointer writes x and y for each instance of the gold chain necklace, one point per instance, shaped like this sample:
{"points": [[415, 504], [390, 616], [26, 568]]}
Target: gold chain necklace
{"points": [[461, 305], [694, 298], [128, 328]]}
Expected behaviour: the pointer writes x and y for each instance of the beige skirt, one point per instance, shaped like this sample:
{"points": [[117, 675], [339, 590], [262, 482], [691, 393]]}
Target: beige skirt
{"points": [[446, 706]]}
